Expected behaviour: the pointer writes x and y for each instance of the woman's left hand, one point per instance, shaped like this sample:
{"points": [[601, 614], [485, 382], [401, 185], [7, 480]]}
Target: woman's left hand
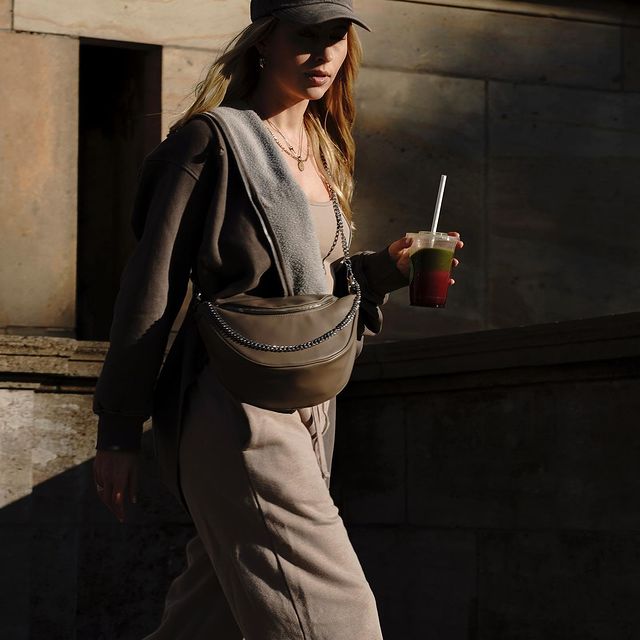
{"points": [[399, 252]]}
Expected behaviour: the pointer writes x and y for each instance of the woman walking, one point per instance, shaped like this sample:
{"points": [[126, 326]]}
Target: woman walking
{"points": [[268, 133]]}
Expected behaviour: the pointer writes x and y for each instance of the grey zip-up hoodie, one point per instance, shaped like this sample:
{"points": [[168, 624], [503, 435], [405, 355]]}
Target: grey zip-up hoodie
{"points": [[216, 203]]}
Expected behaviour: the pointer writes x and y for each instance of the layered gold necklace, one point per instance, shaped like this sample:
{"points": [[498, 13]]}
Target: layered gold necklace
{"points": [[290, 150]]}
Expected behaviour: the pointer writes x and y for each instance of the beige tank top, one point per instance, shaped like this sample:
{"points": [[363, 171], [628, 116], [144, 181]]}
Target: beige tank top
{"points": [[324, 220]]}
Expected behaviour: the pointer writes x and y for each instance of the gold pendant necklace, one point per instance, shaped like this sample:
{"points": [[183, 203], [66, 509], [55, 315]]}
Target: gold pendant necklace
{"points": [[290, 151]]}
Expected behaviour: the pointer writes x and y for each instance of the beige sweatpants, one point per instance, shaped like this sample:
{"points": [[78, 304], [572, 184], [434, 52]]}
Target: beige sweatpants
{"points": [[271, 559]]}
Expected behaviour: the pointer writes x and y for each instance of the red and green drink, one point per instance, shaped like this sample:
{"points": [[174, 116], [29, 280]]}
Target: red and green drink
{"points": [[431, 261]]}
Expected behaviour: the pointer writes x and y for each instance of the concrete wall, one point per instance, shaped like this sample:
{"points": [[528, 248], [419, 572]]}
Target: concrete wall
{"points": [[488, 482], [38, 181], [182, 68], [528, 107], [5, 14], [196, 23], [530, 110]]}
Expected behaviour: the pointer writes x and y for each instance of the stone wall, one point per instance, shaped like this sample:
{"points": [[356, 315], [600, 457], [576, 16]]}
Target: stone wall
{"points": [[488, 479], [38, 181], [5, 14], [528, 107], [197, 23], [530, 110], [488, 482]]}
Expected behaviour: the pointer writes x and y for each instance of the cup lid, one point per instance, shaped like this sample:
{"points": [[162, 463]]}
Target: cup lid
{"points": [[439, 235]]}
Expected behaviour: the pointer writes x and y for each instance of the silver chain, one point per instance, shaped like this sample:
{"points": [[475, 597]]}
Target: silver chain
{"points": [[345, 246], [352, 286], [328, 185]]}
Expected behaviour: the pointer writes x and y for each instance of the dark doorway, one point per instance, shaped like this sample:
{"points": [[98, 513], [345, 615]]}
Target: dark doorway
{"points": [[119, 123]]}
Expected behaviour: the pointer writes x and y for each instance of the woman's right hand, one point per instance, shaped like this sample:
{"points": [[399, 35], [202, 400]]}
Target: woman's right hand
{"points": [[116, 478]]}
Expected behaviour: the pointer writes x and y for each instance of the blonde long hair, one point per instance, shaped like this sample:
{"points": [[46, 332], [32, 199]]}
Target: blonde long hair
{"points": [[328, 121]]}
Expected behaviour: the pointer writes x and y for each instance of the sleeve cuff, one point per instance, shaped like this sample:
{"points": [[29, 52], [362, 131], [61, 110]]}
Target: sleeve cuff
{"points": [[119, 432], [383, 276]]}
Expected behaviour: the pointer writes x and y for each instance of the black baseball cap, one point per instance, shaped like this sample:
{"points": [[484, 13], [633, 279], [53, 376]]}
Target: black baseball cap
{"points": [[306, 11]]}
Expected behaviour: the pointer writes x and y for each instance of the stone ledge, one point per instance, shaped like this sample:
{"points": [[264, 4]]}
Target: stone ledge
{"points": [[592, 345], [556, 344], [49, 363], [25, 357]]}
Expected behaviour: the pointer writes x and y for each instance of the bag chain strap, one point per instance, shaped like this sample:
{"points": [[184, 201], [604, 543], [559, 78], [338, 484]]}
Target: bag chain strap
{"points": [[352, 286]]}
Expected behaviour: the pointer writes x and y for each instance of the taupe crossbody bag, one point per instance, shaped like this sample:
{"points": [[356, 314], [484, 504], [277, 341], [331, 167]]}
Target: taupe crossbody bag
{"points": [[285, 352]]}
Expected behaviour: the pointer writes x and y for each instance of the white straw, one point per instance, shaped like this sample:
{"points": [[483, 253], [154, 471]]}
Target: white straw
{"points": [[436, 213]]}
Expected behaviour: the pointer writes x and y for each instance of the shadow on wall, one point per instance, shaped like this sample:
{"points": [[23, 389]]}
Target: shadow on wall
{"points": [[489, 486], [71, 570], [529, 119]]}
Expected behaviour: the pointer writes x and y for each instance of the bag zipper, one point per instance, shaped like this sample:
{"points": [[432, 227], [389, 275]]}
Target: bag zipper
{"points": [[241, 308]]}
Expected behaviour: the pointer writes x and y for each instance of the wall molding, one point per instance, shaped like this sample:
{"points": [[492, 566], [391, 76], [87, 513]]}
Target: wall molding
{"points": [[617, 13], [590, 343], [587, 348]]}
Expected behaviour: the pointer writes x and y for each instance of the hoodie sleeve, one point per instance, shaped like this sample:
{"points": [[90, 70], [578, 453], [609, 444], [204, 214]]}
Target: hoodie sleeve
{"points": [[167, 222], [378, 275]]}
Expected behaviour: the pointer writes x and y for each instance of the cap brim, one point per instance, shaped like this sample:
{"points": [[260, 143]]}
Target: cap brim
{"points": [[321, 12]]}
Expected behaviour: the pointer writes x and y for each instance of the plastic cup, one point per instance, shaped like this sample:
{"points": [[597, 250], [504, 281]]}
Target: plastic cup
{"points": [[431, 261]]}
